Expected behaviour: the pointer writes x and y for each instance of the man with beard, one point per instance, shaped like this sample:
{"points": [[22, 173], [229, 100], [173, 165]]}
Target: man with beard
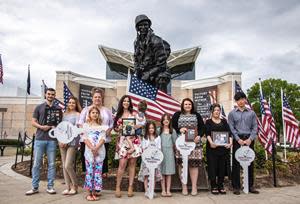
{"points": [[45, 117]]}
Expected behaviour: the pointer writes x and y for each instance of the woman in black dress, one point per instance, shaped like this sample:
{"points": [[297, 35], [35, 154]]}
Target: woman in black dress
{"points": [[216, 153]]}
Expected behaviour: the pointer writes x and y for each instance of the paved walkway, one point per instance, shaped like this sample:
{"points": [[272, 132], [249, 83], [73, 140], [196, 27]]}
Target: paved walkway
{"points": [[13, 186]]}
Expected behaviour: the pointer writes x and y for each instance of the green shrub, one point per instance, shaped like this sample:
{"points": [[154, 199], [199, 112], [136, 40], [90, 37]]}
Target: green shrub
{"points": [[27, 151], [112, 163], [260, 156], [294, 162], [282, 169]]}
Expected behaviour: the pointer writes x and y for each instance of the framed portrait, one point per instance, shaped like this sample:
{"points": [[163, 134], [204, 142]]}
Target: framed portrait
{"points": [[53, 116], [128, 126], [190, 134], [220, 138]]}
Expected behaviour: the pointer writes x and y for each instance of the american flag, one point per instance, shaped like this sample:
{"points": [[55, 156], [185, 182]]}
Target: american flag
{"points": [[67, 94], [158, 102], [262, 137], [223, 114], [267, 121], [1, 70], [291, 124], [56, 102], [212, 96]]}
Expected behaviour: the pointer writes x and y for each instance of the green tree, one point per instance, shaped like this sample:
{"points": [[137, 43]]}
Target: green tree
{"points": [[271, 90]]}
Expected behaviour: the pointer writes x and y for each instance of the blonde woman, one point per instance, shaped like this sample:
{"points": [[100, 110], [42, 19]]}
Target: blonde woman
{"points": [[68, 151]]}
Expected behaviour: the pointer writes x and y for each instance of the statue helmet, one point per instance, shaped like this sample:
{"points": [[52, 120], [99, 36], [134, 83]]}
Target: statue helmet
{"points": [[141, 18]]}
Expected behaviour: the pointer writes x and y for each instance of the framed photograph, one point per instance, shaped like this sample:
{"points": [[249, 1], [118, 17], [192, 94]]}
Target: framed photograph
{"points": [[190, 134], [53, 116], [220, 138], [128, 126]]}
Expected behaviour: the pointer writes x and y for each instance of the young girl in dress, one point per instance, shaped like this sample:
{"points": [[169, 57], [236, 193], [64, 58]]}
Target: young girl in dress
{"points": [[150, 136], [94, 138], [168, 137]]}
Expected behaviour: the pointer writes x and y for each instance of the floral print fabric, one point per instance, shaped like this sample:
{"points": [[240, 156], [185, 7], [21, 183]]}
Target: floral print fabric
{"points": [[93, 176]]}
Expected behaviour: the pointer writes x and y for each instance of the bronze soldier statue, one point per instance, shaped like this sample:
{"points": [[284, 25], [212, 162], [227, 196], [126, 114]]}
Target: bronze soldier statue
{"points": [[150, 55]]}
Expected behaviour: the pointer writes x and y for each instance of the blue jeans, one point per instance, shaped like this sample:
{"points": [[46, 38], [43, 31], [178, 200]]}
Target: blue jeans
{"points": [[40, 148]]}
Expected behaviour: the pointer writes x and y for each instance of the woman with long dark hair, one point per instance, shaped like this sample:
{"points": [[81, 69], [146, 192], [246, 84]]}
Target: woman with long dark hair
{"points": [[128, 148]]}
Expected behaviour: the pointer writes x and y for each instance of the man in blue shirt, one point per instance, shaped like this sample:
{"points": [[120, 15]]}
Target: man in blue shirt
{"points": [[243, 125]]}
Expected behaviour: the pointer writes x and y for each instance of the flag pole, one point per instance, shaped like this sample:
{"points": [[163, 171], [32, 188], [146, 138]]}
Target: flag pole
{"points": [[260, 88], [26, 96], [43, 91], [284, 133], [1, 71], [261, 94], [128, 80]]}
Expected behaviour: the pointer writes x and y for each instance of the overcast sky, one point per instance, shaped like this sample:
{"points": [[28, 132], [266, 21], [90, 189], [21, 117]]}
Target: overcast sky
{"points": [[259, 38]]}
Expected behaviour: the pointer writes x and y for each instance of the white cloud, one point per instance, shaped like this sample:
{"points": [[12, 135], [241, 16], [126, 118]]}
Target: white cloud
{"points": [[259, 38]]}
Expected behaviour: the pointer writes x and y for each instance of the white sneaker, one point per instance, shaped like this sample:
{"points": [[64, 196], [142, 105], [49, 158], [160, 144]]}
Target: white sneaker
{"points": [[51, 191], [32, 191]]}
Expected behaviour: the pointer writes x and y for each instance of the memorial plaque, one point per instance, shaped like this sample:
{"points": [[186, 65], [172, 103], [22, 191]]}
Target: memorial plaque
{"points": [[85, 96], [203, 98]]}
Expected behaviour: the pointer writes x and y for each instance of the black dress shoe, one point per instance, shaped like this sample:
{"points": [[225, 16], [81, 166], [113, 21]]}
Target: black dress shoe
{"points": [[254, 191], [222, 191], [215, 191], [236, 192]]}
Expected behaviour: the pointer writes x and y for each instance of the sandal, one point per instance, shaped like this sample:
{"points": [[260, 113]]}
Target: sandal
{"points": [[96, 198], [90, 198], [194, 193], [163, 194], [215, 191], [72, 192], [184, 190], [65, 192], [169, 194]]}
